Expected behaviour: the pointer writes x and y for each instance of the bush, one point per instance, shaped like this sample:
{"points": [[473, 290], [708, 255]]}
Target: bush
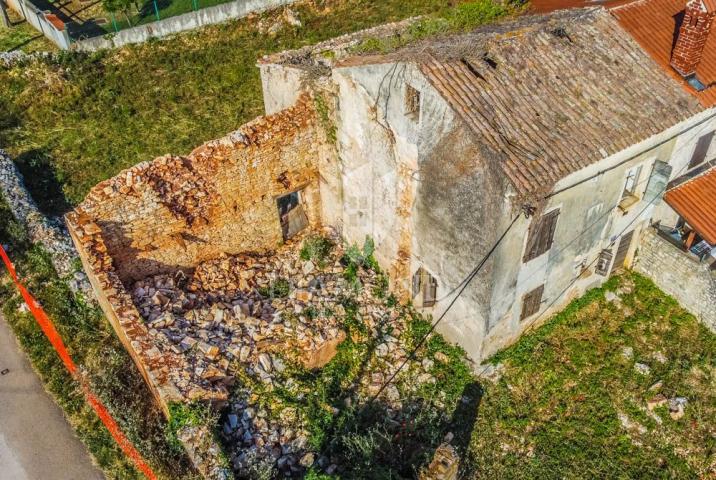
{"points": [[316, 249]]}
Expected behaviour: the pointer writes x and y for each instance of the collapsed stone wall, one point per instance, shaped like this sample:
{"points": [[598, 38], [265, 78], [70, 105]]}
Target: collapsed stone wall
{"points": [[176, 212], [693, 284]]}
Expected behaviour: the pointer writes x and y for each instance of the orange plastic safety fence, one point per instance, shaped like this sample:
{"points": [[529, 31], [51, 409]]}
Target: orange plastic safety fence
{"points": [[53, 336]]}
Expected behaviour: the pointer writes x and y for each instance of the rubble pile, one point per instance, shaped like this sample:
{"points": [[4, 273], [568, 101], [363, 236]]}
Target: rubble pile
{"points": [[255, 317]]}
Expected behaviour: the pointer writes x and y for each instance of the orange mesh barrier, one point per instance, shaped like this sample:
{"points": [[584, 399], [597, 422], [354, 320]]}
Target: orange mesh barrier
{"points": [[53, 336]]}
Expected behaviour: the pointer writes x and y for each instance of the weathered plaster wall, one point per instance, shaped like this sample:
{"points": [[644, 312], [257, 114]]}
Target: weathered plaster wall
{"points": [[589, 222], [692, 283], [175, 212]]}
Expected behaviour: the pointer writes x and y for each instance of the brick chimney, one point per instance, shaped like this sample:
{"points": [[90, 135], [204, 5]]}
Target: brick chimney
{"points": [[693, 34]]}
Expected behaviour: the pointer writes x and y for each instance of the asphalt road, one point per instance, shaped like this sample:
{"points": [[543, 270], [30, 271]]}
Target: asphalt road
{"points": [[36, 442]]}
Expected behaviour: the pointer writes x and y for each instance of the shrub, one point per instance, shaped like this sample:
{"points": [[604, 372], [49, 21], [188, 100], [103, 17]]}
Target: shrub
{"points": [[316, 248]]}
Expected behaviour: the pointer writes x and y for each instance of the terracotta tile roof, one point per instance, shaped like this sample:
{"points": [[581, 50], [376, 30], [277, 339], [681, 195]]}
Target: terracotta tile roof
{"points": [[653, 23], [55, 21], [695, 200], [543, 6], [566, 90]]}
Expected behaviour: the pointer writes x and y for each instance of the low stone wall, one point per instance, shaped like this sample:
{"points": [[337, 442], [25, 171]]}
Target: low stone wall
{"points": [[180, 23], [693, 284], [51, 235]]}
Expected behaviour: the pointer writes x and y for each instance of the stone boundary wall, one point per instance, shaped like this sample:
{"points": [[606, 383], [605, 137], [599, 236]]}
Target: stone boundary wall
{"points": [[176, 212], [179, 23], [693, 284], [51, 235]]}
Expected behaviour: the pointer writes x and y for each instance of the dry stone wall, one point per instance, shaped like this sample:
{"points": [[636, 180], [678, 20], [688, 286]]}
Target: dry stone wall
{"points": [[693, 284], [176, 212]]}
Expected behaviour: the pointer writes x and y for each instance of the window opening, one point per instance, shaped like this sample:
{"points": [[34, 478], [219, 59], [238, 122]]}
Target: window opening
{"points": [[292, 214]]}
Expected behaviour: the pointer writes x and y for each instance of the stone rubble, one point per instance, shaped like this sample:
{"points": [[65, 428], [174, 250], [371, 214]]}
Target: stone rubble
{"points": [[51, 234], [252, 316]]}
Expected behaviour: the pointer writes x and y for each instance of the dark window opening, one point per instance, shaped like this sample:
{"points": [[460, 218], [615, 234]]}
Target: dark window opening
{"points": [[541, 235], [425, 288], [412, 102], [695, 83], [531, 302], [701, 150], [293, 216]]}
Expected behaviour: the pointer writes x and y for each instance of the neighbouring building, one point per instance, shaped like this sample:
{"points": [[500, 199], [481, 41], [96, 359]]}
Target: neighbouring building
{"points": [[558, 130]]}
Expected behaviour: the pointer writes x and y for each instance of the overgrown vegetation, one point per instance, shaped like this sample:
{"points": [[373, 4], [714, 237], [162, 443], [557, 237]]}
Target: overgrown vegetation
{"points": [[21, 36], [94, 346], [88, 116], [316, 248], [462, 18], [571, 403]]}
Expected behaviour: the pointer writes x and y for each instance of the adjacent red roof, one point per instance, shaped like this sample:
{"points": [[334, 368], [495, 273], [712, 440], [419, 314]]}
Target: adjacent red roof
{"points": [[544, 6], [653, 23], [695, 201]]}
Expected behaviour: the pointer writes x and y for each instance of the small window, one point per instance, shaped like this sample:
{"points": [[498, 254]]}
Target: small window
{"points": [[412, 102], [425, 288], [632, 182], [291, 214], [604, 262], [701, 150], [541, 235], [531, 302]]}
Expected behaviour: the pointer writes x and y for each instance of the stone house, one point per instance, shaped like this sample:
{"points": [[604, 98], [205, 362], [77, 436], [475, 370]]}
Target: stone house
{"points": [[559, 131], [442, 144]]}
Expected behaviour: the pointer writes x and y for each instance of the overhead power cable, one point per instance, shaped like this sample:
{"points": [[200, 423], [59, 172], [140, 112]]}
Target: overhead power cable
{"points": [[527, 212]]}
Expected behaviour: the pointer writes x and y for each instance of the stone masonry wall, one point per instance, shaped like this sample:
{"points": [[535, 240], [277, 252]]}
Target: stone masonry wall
{"points": [[175, 212], [690, 282]]}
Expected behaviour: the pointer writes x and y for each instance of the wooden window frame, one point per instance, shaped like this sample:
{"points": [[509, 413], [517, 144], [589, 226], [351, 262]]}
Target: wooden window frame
{"points": [[425, 286], [701, 150], [635, 173], [531, 302], [413, 98], [541, 235]]}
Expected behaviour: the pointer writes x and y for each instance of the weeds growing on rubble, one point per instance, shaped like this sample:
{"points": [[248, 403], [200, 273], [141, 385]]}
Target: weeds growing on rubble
{"points": [[93, 345]]}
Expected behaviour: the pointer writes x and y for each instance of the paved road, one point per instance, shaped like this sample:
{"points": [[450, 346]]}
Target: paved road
{"points": [[36, 442]]}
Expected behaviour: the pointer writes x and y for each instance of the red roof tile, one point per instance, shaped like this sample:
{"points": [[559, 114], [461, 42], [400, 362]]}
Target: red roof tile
{"points": [[564, 91], [652, 23], [695, 200], [544, 6]]}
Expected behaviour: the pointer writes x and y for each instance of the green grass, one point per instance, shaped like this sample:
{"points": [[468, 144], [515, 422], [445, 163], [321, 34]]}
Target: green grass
{"points": [[24, 38], [75, 121], [146, 13], [94, 346], [555, 412]]}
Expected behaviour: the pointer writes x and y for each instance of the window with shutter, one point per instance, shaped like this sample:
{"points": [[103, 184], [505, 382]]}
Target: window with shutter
{"points": [[531, 302], [701, 150], [657, 181], [412, 102], [541, 235], [425, 288]]}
